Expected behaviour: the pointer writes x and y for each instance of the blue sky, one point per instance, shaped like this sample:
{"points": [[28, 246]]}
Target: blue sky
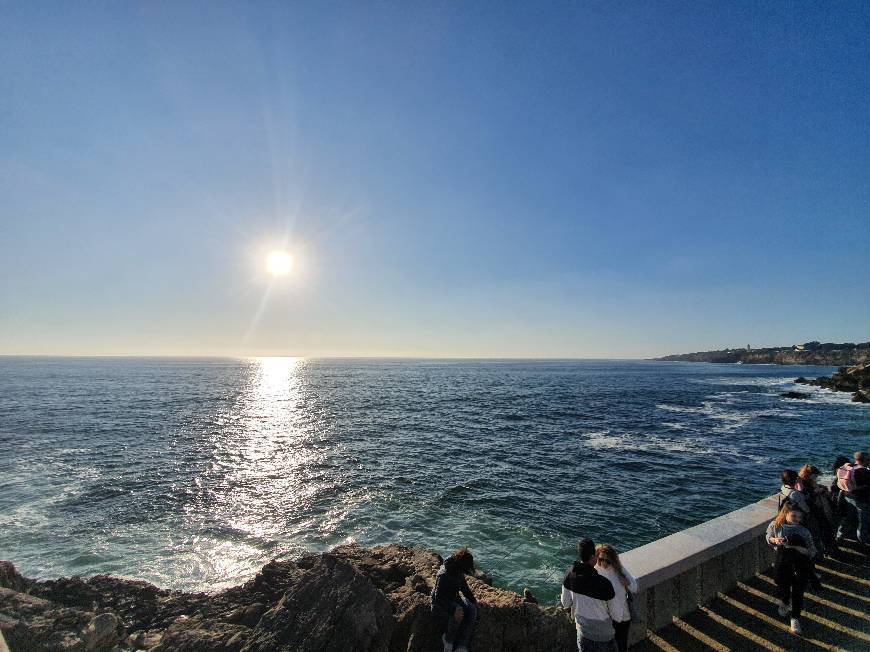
{"points": [[502, 179]]}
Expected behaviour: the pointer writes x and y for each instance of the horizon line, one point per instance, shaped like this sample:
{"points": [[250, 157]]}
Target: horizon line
{"points": [[315, 357]]}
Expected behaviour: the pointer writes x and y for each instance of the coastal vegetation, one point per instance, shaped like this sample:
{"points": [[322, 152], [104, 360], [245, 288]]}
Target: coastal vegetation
{"points": [[809, 353]]}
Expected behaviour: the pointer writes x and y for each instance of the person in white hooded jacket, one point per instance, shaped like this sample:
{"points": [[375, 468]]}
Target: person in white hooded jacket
{"points": [[609, 565]]}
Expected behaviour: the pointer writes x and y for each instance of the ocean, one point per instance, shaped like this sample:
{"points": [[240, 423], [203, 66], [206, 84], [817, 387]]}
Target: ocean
{"points": [[193, 473]]}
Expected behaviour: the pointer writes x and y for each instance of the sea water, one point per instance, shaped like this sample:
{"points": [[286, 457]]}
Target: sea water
{"points": [[193, 473]]}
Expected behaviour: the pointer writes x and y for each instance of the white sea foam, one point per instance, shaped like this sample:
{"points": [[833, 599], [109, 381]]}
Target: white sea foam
{"points": [[606, 440], [823, 396], [602, 439], [726, 412], [734, 381]]}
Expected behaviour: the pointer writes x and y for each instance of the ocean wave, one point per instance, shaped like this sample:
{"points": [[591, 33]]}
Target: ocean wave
{"points": [[824, 396], [726, 414], [628, 442], [753, 381]]}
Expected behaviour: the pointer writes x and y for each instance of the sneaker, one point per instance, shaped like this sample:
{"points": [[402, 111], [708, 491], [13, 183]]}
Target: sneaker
{"points": [[784, 609], [448, 646], [795, 627]]}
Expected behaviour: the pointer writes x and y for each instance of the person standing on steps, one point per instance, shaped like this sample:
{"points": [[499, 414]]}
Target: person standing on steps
{"points": [[836, 494], [455, 614], [586, 594], [608, 565], [790, 491], [820, 521], [854, 483], [793, 545]]}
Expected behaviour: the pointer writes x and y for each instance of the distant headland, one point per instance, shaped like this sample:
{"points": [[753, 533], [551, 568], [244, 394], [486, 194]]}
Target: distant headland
{"points": [[810, 353]]}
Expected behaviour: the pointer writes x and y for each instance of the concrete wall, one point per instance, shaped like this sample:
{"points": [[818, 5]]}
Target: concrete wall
{"points": [[686, 569]]}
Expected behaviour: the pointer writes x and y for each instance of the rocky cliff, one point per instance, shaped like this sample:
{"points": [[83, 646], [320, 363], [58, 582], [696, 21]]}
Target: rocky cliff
{"points": [[847, 379], [351, 599], [811, 353]]}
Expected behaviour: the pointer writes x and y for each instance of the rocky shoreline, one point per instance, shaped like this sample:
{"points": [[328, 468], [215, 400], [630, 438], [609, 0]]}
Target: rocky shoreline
{"points": [[352, 599], [847, 379]]}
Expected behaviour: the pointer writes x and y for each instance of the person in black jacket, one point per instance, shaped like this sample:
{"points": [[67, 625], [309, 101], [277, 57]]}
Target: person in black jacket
{"points": [[820, 521], [586, 594], [455, 614]]}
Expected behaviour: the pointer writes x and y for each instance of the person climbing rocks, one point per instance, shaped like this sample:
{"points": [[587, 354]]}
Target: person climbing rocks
{"points": [[454, 606]]}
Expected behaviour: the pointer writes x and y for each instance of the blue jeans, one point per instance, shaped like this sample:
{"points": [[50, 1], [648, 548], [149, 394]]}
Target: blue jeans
{"points": [[459, 633], [857, 515]]}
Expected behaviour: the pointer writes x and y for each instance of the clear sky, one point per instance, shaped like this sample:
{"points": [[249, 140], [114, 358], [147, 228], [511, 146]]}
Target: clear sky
{"points": [[586, 179]]}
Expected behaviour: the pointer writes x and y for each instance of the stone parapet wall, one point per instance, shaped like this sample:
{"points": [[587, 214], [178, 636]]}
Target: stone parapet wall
{"points": [[688, 568]]}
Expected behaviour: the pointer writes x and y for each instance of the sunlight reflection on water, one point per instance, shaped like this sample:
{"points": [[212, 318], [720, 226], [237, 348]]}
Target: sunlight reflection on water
{"points": [[262, 459]]}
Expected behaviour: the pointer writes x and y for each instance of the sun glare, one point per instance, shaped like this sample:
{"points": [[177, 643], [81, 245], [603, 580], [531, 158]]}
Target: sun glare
{"points": [[279, 263]]}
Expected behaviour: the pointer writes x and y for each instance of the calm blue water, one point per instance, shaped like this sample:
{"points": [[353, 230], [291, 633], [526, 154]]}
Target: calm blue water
{"points": [[193, 473]]}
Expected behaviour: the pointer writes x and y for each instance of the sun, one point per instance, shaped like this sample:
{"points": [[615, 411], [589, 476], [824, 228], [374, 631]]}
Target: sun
{"points": [[279, 263]]}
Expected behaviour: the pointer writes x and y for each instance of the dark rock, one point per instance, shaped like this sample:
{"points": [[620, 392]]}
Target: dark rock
{"points": [[846, 379], [795, 395], [144, 640], [31, 623], [11, 578], [803, 381], [351, 599], [192, 634], [861, 397], [329, 606], [247, 615], [103, 632], [505, 621]]}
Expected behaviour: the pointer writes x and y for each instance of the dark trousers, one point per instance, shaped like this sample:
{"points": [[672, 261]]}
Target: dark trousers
{"points": [[588, 645], [622, 634], [459, 633], [791, 581], [856, 514]]}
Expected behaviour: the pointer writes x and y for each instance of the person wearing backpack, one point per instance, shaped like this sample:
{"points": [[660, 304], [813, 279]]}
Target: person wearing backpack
{"points": [[794, 549], [792, 494], [854, 483], [835, 488], [624, 584]]}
